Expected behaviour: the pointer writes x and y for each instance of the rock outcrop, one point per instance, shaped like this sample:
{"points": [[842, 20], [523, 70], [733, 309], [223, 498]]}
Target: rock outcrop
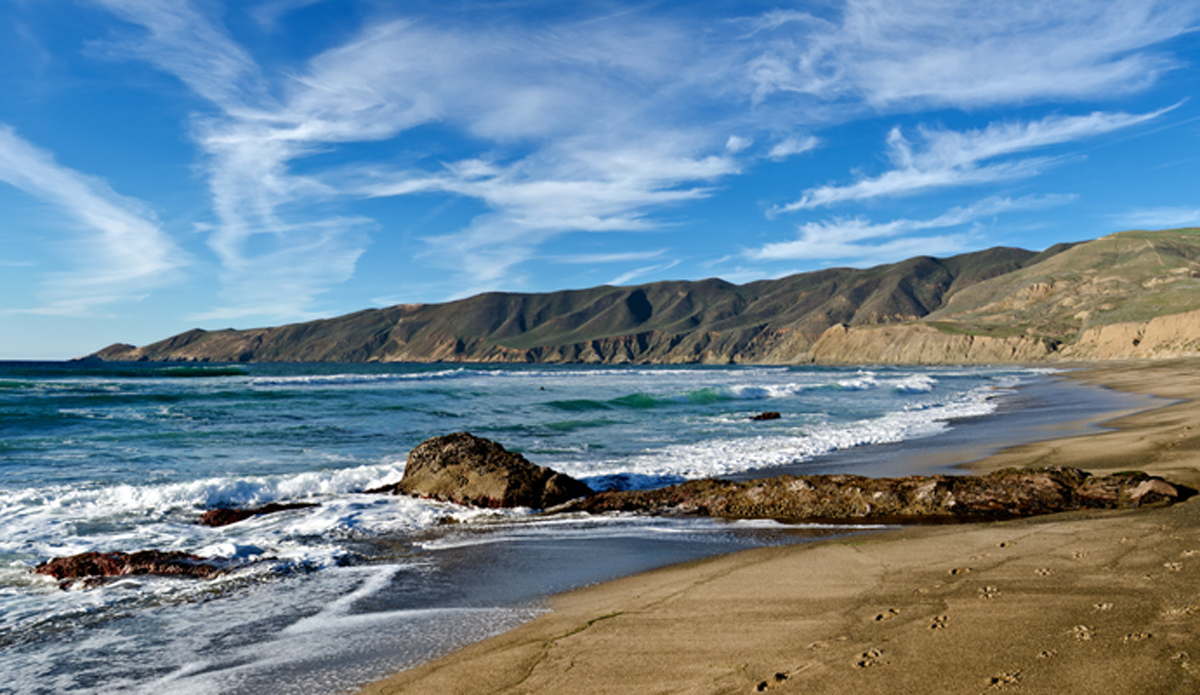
{"points": [[226, 516], [92, 568], [1004, 494], [466, 469]]}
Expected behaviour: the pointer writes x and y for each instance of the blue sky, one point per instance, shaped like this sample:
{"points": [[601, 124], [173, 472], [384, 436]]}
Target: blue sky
{"points": [[167, 164]]}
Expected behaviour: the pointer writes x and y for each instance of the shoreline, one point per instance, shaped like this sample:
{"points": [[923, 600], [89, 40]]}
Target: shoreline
{"points": [[1100, 601]]}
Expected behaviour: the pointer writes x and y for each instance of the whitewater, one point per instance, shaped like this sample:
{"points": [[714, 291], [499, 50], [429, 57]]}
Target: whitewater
{"points": [[103, 457]]}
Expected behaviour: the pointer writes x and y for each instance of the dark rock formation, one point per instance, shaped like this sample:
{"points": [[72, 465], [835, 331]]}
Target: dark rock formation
{"points": [[769, 415], [95, 566], [1004, 494], [466, 469], [224, 517]]}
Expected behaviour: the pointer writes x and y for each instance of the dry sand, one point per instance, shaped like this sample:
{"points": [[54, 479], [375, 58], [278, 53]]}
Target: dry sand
{"points": [[1097, 602]]}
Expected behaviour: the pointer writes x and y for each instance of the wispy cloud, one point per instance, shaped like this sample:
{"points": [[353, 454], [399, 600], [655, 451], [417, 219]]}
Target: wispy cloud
{"points": [[594, 258], [888, 55], [947, 158], [120, 251], [792, 146], [625, 278], [869, 242], [571, 147], [569, 124], [1159, 218]]}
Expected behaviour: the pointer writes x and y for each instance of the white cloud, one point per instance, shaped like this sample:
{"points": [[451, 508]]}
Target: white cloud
{"points": [[625, 278], [792, 146], [890, 55], [950, 158], [868, 242], [736, 144], [120, 252], [558, 126], [1160, 218], [594, 258], [572, 148]]}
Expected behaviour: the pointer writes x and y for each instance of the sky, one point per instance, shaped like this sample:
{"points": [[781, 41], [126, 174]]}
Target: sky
{"points": [[172, 164]]}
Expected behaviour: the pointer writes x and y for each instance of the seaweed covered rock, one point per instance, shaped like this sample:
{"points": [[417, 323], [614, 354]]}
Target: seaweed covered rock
{"points": [[466, 469], [1004, 494], [229, 515], [95, 566]]}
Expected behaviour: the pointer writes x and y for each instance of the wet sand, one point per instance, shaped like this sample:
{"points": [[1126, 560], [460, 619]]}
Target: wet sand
{"points": [[1080, 602]]}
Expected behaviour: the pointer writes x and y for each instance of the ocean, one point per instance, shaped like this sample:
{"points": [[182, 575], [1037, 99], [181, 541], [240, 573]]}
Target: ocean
{"points": [[107, 457]]}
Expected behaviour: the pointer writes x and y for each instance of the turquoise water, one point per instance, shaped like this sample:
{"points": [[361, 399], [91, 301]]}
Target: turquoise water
{"points": [[126, 457]]}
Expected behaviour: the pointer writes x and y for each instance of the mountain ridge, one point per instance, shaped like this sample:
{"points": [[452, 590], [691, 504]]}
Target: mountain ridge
{"points": [[996, 305]]}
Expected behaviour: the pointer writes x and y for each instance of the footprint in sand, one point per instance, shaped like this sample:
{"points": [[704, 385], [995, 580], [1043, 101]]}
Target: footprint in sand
{"points": [[1179, 612], [1136, 637], [989, 592], [960, 570], [1103, 606], [887, 615], [1173, 566], [1047, 653], [775, 680], [1043, 571], [1083, 633], [1006, 544], [1188, 553], [1005, 679], [939, 622], [871, 657], [1079, 554]]}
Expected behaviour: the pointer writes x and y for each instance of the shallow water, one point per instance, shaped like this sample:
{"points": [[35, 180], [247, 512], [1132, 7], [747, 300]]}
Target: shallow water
{"points": [[104, 457]]}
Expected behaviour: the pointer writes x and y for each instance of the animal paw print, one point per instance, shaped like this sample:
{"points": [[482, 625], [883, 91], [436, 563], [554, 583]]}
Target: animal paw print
{"points": [[1083, 633], [939, 622], [775, 680], [1005, 679], [989, 592], [869, 658]]}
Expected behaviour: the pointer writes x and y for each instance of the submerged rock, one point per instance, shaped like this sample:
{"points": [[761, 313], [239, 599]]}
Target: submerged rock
{"points": [[769, 415], [94, 566], [466, 469], [1004, 494], [224, 517]]}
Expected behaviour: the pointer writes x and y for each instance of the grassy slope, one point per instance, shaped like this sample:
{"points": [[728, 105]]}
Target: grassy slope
{"points": [[1131, 276]]}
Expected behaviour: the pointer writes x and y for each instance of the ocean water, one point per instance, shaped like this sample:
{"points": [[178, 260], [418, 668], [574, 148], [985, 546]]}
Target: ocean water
{"points": [[125, 457]]}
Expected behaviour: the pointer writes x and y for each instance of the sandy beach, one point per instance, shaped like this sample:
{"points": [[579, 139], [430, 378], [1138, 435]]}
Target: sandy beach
{"points": [[1080, 602]]}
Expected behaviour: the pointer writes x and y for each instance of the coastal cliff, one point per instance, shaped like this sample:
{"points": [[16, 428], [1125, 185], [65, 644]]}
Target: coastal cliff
{"points": [[1129, 295]]}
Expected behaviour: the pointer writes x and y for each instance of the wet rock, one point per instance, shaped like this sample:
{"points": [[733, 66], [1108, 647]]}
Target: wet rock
{"points": [[224, 517], [769, 415], [1004, 494], [466, 469], [95, 566]]}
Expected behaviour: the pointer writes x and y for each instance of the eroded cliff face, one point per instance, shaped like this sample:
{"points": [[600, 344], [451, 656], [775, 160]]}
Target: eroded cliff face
{"points": [[1176, 335], [923, 344]]}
